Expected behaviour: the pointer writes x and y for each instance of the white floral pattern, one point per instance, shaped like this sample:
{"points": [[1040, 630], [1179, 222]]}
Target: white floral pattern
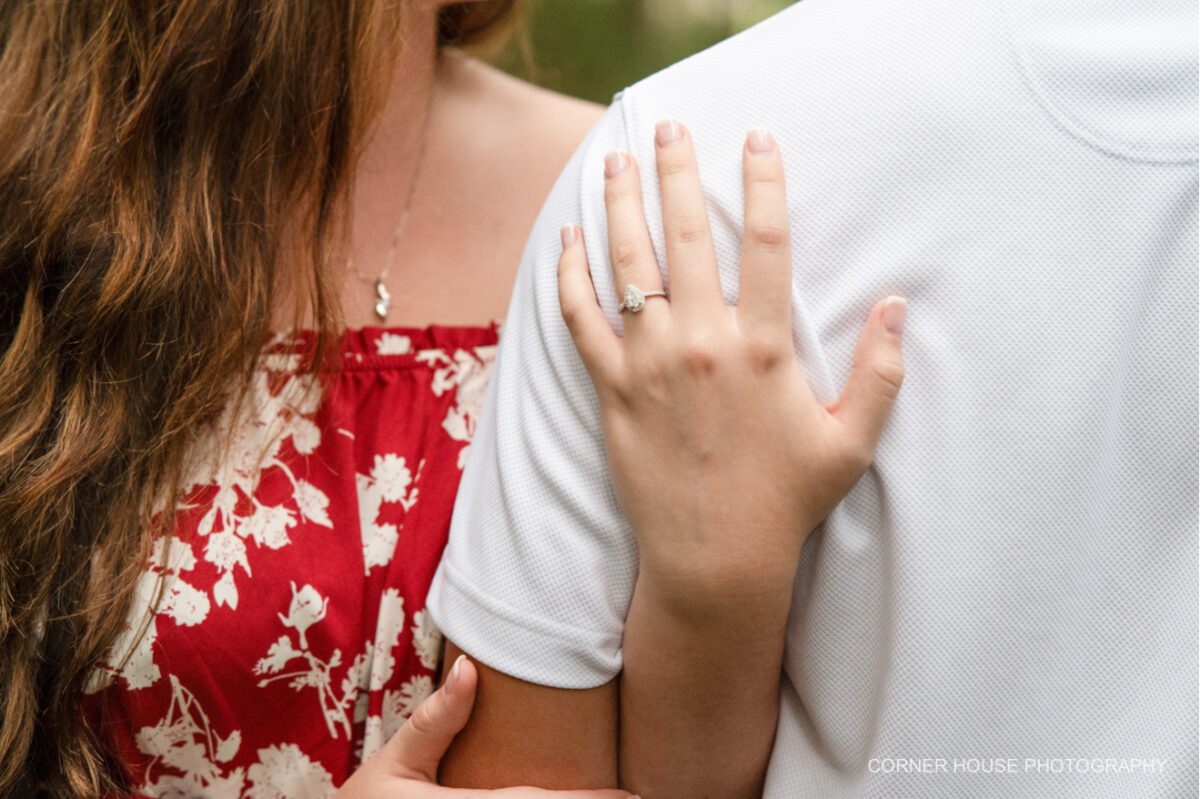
{"points": [[393, 344], [285, 772], [370, 670], [389, 481], [279, 408], [465, 373], [427, 639], [183, 603], [198, 758], [185, 742], [249, 604]]}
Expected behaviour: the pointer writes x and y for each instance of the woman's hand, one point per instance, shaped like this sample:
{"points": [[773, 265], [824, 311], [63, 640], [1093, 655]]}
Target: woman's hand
{"points": [[407, 765], [722, 459]]}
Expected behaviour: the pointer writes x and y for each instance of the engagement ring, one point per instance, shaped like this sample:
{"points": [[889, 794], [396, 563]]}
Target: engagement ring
{"points": [[635, 298]]}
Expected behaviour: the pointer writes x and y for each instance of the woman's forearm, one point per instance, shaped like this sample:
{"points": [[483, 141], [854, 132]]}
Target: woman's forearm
{"points": [[700, 688]]}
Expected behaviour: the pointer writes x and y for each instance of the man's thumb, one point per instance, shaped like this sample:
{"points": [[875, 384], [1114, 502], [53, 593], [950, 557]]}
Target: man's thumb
{"points": [[417, 748]]}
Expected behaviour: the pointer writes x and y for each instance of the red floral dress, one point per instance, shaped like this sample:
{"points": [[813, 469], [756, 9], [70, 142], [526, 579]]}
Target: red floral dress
{"points": [[292, 638]]}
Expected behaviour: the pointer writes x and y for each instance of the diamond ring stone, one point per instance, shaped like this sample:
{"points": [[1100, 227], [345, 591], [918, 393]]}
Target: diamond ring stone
{"points": [[635, 299]]}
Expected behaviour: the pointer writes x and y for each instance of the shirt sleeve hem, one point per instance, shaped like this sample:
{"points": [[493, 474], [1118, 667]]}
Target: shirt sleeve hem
{"points": [[536, 649]]}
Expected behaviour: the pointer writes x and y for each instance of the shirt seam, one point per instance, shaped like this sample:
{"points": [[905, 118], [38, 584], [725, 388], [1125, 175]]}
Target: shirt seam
{"points": [[1075, 129]]}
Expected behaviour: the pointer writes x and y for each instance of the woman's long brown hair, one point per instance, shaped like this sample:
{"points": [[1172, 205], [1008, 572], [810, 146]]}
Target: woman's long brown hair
{"points": [[152, 154]]}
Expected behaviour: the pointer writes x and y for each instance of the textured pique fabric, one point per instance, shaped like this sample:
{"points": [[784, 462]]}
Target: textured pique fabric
{"points": [[292, 638], [1006, 604]]}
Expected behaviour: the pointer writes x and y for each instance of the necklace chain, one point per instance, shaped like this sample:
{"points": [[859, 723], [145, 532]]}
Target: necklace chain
{"points": [[383, 299]]}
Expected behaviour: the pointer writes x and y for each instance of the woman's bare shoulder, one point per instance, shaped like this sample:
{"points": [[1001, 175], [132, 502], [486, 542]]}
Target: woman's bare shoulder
{"points": [[497, 146], [538, 128]]}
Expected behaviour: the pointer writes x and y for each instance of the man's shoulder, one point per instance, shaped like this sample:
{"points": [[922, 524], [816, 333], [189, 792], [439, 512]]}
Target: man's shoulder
{"points": [[1121, 78], [809, 42], [771, 38], [832, 63]]}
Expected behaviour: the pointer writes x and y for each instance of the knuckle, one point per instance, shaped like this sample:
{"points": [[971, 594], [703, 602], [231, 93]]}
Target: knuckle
{"points": [[606, 392], [687, 230], [423, 720], [569, 266], [889, 376], [767, 236], [618, 386], [858, 457], [615, 191], [570, 313], [765, 175], [700, 357], [616, 396], [764, 356], [673, 166], [649, 369], [625, 255]]}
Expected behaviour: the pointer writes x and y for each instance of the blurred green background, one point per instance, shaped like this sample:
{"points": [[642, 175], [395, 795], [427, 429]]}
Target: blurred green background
{"points": [[595, 48]]}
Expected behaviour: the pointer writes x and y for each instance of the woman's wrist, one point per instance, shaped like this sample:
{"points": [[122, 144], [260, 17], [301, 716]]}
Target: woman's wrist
{"points": [[711, 587]]}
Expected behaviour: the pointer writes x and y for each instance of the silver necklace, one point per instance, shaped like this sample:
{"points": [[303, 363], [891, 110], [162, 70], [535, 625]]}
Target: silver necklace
{"points": [[383, 299]]}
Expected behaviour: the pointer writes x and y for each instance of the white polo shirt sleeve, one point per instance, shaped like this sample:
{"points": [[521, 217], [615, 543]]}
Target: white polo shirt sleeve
{"points": [[538, 573]]}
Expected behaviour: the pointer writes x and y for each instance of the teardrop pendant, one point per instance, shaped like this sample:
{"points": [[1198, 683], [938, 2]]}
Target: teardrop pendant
{"points": [[384, 304]]}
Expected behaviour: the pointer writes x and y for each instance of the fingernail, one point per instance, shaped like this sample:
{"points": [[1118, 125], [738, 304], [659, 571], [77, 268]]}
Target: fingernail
{"points": [[760, 141], [568, 234], [667, 132], [894, 311], [614, 164], [455, 675]]}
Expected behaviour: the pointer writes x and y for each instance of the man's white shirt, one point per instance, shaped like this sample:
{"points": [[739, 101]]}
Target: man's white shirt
{"points": [[1006, 604]]}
